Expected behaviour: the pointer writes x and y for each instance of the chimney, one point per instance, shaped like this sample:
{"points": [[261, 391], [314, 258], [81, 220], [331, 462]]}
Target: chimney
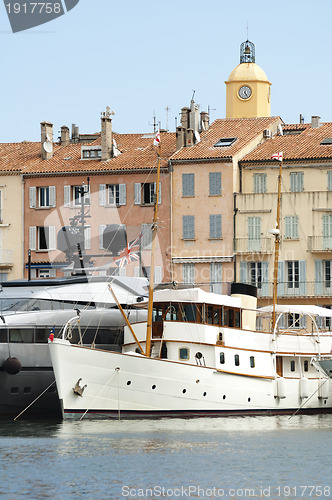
{"points": [[75, 135], [65, 140], [46, 140], [205, 120], [315, 121], [185, 117], [189, 137], [106, 138], [180, 137], [194, 116]]}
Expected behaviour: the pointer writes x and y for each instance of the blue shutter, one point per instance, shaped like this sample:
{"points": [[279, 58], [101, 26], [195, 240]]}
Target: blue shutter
{"points": [[215, 226], [188, 227], [243, 272], [265, 279], [281, 284], [318, 277], [188, 184], [215, 183], [122, 194], [302, 276]]}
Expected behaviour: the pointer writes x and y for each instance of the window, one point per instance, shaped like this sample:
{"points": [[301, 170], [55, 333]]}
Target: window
{"points": [[254, 234], [306, 365], [293, 274], [255, 274], [183, 353], [292, 227], [259, 183], [116, 194], [292, 365], [222, 358], [188, 185], [42, 238], [327, 273], [252, 362], [293, 320], [145, 193], [188, 227], [73, 195], [227, 141], [215, 183], [215, 227], [42, 196], [296, 182], [91, 153], [237, 360], [188, 271]]}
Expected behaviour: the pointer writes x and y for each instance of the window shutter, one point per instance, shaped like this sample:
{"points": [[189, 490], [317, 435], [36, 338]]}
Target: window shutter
{"points": [[329, 180], [52, 273], [327, 232], [215, 226], [188, 271], [188, 184], [287, 227], [122, 194], [32, 196], [281, 284], [137, 189], [102, 195], [188, 227], [216, 277], [157, 274], [32, 237], [51, 238], [87, 238], [102, 228], [318, 276], [215, 183], [265, 278], [243, 272], [52, 196], [66, 195], [146, 239], [302, 277]]}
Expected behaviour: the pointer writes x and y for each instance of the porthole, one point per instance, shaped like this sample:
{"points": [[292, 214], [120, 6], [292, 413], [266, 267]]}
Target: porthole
{"points": [[224, 396], [154, 386], [184, 391], [249, 399], [204, 394], [129, 382]]}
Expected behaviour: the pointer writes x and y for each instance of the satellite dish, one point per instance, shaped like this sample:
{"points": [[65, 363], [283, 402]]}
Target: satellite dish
{"points": [[48, 146]]}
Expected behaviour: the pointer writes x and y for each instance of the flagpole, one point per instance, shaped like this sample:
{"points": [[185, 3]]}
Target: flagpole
{"points": [[154, 238], [277, 248]]}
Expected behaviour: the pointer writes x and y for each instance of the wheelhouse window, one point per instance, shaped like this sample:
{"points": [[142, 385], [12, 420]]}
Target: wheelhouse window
{"points": [[252, 361], [222, 358], [292, 365], [237, 360], [184, 353]]}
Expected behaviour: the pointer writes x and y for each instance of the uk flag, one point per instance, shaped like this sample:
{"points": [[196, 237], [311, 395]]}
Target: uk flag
{"points": [[129, 254]]}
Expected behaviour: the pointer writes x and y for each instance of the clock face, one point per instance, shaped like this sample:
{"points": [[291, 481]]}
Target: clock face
{"points": [[245, 92]]}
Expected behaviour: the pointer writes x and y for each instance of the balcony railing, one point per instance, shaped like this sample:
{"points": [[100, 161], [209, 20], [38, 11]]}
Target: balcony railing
{"points": [[256, 245], [320, 243]]}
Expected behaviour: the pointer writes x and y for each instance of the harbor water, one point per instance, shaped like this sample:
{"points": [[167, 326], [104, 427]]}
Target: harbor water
{"points": [[248, 457]]}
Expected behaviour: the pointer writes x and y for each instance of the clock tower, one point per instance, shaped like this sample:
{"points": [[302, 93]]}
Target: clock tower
{"points": [[247, 88]]}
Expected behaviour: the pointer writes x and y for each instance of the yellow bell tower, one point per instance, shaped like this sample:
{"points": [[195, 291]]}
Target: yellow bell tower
{"points": [[247, 88]]}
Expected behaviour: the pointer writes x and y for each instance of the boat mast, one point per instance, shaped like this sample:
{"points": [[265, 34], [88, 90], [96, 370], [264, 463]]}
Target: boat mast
{"points": [[154, 238], [277, 245]]}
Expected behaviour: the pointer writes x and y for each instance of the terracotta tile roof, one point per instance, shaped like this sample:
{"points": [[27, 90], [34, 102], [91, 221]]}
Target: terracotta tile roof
{"points": [[137, 152], [304, 146], [244, 129], [14, 157]]}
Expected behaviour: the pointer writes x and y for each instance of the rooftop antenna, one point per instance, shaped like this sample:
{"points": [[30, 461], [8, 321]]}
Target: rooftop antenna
{"points": [[210, 109], [193, 95], [247, 31], [167, 109], [154, 122]]}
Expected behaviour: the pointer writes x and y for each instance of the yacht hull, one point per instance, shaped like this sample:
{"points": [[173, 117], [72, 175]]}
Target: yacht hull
{"points": [[117, 385]]}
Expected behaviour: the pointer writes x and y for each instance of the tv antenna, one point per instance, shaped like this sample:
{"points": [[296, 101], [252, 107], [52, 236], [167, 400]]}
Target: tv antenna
{"points": [[167, 109]]}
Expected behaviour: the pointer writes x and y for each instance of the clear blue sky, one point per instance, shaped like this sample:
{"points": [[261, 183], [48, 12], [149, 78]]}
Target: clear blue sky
{"points": [[140, 56]]}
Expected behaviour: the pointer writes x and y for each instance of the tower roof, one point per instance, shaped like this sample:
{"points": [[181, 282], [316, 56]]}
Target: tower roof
{"points": [[247, 72]]}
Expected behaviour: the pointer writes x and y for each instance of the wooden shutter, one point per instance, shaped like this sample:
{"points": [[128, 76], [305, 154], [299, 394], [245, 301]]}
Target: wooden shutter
{"points": [[102, 195], [32, 237], [137, 193], [32, 196], [66, 196], [52, 196], [122, 194]]}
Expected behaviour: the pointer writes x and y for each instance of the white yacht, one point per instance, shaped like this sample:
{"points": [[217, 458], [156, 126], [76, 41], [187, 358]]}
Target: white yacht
{"points": [[206, 357], [31, 310]]}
